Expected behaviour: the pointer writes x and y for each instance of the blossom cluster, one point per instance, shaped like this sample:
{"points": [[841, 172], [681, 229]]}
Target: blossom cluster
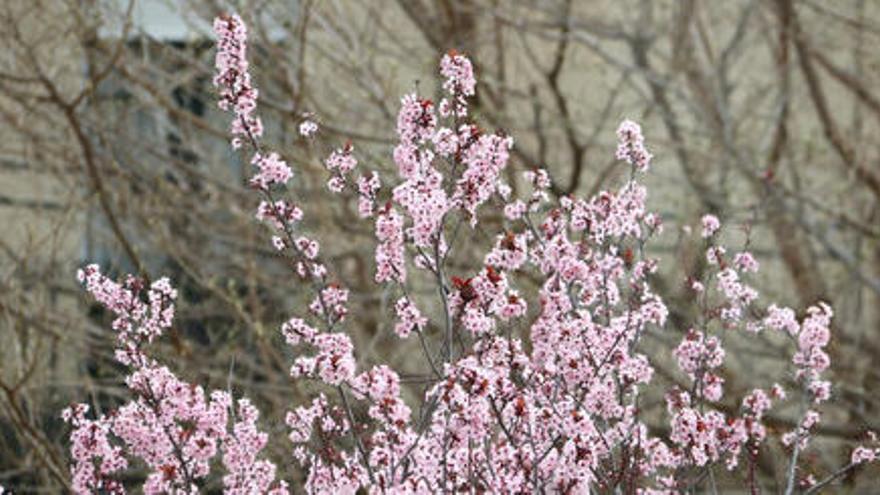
{"points": [[174, 428], [136, 321], [340, 163], [368, 186], [272, 170], [523, 394], [409, 318], [459, 82], [234, 80], [307, 128], [631, 146], [237, 94], [390, 252]]}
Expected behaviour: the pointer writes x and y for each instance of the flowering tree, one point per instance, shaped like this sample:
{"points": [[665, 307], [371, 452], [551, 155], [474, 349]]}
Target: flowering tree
{"points": [[538, 395]]}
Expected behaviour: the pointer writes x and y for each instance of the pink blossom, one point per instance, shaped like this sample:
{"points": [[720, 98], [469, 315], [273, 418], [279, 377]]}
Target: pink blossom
{"points": [[296, 330], [459, 82], [415, 120], [782, 319], [330, 304], [409, 318], [368, 186], [510, 251], [233, 79], [738, 294], [745, 262], [137, 321], [697, 352], [307, 128], [445, 142], [631, 146], [710, 225], [515, 210], [278, 214], [340, 163], [336, 184], [862, 454], [813, 337], [715, 255], [390, 262], [484, 161], [333, 362], [272, 170], [341, 160], [247, 473], [307, 247], [538, 177], [95, 458]]}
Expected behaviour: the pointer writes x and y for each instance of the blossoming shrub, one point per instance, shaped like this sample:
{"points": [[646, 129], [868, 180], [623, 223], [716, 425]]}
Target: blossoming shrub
{"points": [[555, 411]]}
